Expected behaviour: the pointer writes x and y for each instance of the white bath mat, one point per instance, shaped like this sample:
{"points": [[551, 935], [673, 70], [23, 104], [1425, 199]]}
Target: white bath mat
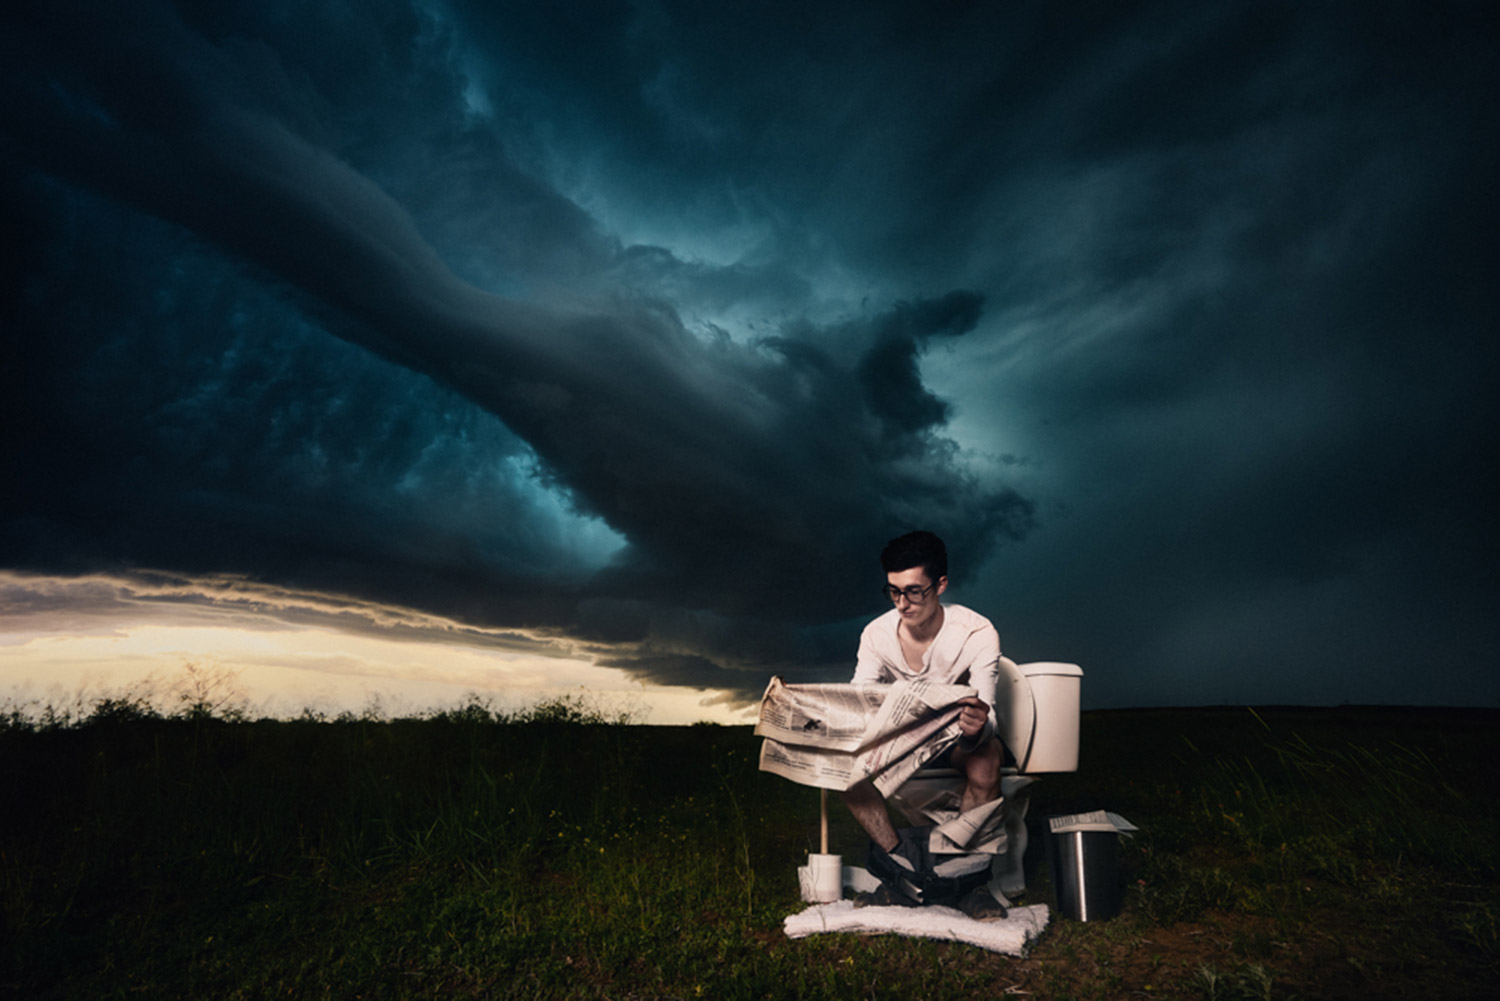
{"points": [[1011, 935]]}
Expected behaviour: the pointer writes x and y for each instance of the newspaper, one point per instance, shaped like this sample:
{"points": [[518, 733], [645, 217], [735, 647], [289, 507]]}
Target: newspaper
{"points": [[832, 736], [1097, 820]]}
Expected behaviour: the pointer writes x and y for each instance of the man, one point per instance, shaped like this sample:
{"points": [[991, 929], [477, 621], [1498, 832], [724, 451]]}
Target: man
{"points": [[921, 638]]}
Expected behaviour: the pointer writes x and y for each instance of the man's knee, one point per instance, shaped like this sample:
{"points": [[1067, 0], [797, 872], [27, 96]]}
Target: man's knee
{"points": [[982, 765]]}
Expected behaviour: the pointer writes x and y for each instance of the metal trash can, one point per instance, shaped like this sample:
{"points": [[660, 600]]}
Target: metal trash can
{"points": [[1085, 875]]}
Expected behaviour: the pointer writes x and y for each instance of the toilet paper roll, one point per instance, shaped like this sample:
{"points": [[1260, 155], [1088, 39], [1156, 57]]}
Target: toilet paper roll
{"points": [[826, 874]]}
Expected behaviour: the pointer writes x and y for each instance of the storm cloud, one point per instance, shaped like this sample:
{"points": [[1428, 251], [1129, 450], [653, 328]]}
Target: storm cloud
{"points": [[643, 325]]}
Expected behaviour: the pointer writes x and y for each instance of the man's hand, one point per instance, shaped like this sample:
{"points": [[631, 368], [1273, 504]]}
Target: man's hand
{"points": [[975, 714]]}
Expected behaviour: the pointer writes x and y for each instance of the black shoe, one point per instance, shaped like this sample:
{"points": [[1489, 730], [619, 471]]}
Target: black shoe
{"points": [[902, 877], [981, 905]]}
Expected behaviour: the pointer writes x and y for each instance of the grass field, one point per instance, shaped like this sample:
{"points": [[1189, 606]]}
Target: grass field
{"points": [[1286, 853]]}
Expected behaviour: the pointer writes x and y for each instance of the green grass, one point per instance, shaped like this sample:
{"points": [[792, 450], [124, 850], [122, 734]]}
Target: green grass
{"points": [[196, 853]]}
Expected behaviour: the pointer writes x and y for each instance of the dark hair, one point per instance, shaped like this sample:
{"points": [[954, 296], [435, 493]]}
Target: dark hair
{"points": [[916, 549]]}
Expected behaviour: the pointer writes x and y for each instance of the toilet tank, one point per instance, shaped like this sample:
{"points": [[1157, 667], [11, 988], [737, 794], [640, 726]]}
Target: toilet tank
{"points": [[1052, 745]]}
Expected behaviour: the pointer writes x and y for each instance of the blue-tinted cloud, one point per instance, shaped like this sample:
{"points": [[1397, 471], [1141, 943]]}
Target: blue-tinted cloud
{"points": [[647, 323]]}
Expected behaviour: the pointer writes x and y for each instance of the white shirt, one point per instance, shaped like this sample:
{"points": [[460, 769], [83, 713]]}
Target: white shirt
{"points": [[966, 651]]}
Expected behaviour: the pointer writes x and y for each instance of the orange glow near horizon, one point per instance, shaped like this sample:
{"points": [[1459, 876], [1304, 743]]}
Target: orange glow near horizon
{"points": [[70, 658]]}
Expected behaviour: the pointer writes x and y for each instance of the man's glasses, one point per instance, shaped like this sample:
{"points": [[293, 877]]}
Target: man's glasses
{"points": [[914, 594]]}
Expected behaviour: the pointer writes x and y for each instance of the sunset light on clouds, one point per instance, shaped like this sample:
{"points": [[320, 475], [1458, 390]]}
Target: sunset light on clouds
{"points": [[94, 638]]}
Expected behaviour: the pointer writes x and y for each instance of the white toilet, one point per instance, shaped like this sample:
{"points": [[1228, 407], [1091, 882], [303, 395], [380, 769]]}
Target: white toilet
{"points": [[1037, 707], [1038, 715]]}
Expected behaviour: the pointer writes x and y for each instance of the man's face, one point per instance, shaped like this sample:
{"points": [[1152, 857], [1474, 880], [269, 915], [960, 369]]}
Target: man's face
{"points": [[916, 614]]}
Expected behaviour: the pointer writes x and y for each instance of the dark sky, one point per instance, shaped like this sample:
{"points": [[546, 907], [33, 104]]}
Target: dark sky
{"points": [[638, 327]]}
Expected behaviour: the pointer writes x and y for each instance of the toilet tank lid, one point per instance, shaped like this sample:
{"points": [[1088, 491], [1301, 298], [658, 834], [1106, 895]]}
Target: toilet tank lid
{"points": [[1050, 668]]}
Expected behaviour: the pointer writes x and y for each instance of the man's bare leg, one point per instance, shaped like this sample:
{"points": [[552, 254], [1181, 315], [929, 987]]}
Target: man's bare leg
{"points": [[981, 768], [868, 807], [900, 882]]}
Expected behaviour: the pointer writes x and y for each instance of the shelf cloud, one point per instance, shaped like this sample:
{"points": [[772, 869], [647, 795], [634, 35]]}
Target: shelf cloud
{"points": [[636, 329]]}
